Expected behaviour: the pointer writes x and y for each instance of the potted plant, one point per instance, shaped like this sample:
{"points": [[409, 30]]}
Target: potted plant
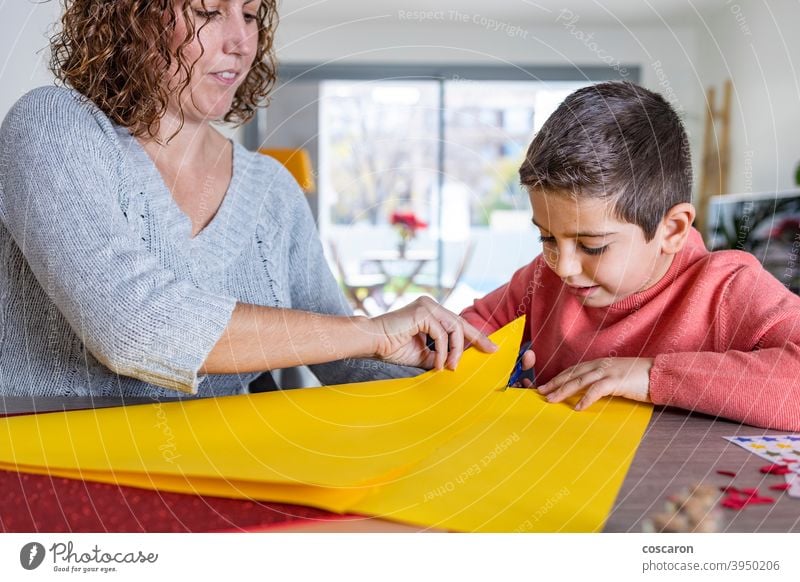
{"points": [[406, 224]]}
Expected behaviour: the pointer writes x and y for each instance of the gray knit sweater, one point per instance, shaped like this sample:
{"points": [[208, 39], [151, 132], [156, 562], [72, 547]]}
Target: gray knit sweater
{"points": [[103, 291]]}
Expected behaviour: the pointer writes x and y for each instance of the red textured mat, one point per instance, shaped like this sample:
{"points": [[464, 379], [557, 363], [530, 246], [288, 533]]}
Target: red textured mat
{"points": [[39, 503]]}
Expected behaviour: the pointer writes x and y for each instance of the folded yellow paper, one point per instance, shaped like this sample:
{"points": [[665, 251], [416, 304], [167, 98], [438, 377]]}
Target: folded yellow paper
{"points": [[445, 449], [338, 436]]}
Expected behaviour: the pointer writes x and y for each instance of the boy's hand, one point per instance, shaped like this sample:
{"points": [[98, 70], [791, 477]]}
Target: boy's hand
{"points": [[628, 377], [527, 360]]}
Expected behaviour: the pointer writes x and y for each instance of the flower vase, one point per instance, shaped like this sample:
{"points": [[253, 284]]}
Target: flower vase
{"points": [[401, 247]]}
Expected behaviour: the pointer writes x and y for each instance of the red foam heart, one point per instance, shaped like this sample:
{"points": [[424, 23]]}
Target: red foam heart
{"points": [[775, 469]]}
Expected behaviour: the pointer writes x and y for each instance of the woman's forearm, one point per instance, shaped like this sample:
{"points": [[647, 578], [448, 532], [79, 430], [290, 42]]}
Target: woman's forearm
{"points": [[266, 338], [259, 338]]}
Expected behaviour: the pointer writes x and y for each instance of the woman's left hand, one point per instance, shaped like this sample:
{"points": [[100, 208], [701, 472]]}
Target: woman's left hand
{"points": [[627, 377]]}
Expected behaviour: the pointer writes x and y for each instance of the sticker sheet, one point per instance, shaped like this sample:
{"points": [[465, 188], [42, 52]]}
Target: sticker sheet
{"points": [[779, 450]]}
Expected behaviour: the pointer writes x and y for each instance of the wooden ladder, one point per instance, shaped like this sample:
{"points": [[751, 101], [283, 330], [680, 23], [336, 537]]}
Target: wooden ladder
{"points": [[716, 152]]}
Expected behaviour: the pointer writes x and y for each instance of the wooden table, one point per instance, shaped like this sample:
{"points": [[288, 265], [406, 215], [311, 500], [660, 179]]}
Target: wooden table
{"points": [[678, 450]]}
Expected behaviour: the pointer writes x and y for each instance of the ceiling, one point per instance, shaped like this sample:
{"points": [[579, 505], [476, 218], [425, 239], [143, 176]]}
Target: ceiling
{"points": [[612, 12]]}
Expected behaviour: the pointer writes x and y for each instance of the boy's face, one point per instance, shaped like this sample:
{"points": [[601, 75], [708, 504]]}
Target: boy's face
{"points": [[600, 259]]}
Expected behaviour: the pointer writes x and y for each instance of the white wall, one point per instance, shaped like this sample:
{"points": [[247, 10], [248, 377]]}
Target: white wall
{"points": [[555, 39], [665, 53], [757, 46], [24, 53], [754, 42]]}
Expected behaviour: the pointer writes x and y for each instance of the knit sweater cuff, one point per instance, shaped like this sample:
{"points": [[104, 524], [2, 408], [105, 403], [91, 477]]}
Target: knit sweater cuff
{"points": [[670, 376], [189, 333], [664, 387]]}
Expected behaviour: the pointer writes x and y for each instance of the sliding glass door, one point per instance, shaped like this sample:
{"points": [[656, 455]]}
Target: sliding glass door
{"points": [[417, 184]]}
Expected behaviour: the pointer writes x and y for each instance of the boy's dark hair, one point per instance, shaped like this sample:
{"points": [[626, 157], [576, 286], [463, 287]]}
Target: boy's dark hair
{"points": [[615, 140]]}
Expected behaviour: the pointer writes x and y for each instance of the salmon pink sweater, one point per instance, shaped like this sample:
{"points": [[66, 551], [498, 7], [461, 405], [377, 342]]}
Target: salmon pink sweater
{"points": [[723, 332]]}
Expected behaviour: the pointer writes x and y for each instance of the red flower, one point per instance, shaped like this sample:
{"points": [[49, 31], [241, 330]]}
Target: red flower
{"points": [[407, 223]]}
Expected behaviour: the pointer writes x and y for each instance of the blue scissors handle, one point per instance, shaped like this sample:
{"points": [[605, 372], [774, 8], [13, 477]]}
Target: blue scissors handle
{"points": [[518, 373]]}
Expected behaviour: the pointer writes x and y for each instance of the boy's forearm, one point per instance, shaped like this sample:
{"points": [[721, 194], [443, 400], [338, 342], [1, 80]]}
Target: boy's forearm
{"points": [[761, 388], [261, 338]]}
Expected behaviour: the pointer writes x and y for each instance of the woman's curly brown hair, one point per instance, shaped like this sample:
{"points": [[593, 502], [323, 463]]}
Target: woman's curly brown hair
{"points": [[117, 54]]}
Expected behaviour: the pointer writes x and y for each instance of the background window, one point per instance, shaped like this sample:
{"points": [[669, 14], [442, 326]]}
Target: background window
{"points": [[442, 146]]}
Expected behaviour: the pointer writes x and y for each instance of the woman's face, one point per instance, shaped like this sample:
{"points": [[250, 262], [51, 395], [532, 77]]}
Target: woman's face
{"points": [[222, 51]]}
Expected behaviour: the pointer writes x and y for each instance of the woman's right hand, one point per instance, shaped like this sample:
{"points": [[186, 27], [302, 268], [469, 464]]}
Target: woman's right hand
{"points": [[402, 336]]}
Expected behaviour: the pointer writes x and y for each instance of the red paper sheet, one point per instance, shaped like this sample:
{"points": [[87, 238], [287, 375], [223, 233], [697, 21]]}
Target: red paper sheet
{"points": [[39, 503]]}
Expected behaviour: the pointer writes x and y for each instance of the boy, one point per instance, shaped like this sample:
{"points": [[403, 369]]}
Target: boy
{"points": [[625, 299]]}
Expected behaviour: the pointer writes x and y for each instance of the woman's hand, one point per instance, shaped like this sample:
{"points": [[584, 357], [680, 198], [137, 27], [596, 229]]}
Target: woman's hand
{"points": [[402, 336], [628, 377]]}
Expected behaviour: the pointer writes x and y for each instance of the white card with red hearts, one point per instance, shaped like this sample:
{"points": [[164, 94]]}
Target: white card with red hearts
{"points": [[778, 450]]}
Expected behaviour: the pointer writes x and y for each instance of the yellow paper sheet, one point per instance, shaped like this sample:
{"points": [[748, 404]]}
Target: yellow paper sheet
{"points": [[446, 449], [339, 436], [526, 466]]}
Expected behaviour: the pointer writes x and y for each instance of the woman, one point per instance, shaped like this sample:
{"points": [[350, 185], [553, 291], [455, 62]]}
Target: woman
{"points": [[147, 255]]}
